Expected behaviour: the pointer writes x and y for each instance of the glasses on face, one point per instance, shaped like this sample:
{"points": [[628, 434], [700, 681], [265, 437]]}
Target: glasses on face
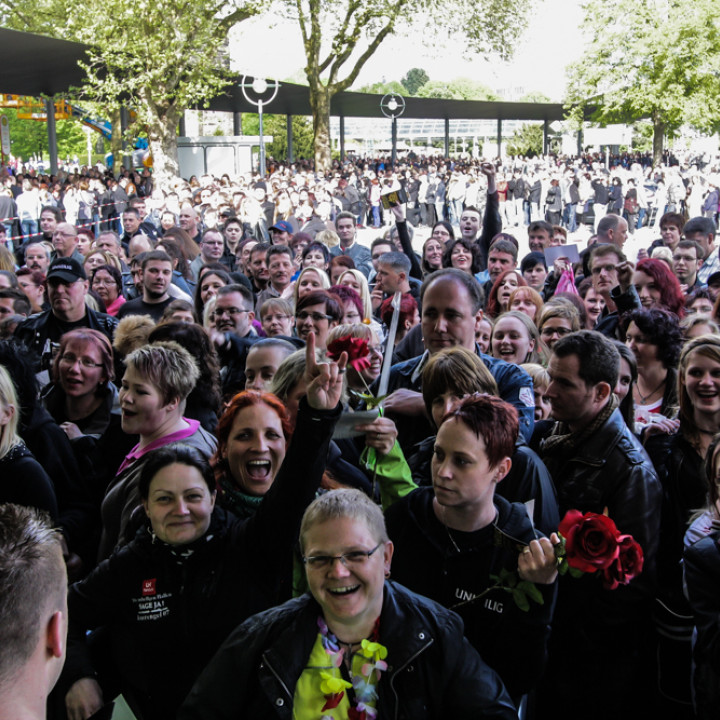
{"points": [[597, 269], [349, 559], [276, 318], [559, 331], [315, 316], [232, 311], [103, 281], [70, 359]]}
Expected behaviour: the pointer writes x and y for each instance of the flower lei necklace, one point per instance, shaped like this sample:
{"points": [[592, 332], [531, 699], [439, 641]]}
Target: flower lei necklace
{"points": [[360, 690]]}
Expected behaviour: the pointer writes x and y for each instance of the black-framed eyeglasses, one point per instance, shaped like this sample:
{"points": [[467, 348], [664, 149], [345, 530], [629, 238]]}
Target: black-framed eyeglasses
{"points": [[348, 559], [316, 317], [232, 311], [70, 359]]}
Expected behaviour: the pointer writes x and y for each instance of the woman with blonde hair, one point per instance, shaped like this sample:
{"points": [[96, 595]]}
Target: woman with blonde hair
{"points": [[97, 258], [157, 381], [358, 282], [516, 339], [309, 280], [556, 321], [329, 238], [22, 479]]}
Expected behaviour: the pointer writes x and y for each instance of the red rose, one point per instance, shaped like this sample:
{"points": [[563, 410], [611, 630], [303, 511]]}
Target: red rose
{"points": [[629, 564], [356, 349], [591, 540]]}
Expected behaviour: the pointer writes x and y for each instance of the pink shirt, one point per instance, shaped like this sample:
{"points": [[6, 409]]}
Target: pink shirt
{"points": [[136, 453]]}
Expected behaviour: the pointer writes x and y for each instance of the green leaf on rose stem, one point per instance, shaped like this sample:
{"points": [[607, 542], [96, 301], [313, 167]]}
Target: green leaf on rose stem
{"points": [[563, 568], [530, 589], [372, 402], [521, 600], [574, 572], [560, 548]]}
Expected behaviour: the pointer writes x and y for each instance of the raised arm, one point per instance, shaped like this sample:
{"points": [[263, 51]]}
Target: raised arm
{"points": [[399, 211]]}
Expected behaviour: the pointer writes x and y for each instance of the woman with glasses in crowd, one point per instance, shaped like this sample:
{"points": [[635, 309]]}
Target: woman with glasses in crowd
{"points": [[192, 572], [356, 642], [106, 282]]}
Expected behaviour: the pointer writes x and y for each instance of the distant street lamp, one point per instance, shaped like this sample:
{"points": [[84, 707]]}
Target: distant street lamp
{"points": [[260, 87], [393, 106]]}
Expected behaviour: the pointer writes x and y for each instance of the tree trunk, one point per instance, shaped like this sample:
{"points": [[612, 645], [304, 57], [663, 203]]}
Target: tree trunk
{"points": [[162, 138], [320, 103], [658, 139]]}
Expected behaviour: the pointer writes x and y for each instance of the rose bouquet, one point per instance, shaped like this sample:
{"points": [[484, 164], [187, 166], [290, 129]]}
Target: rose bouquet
{"points": [[589, 544]]}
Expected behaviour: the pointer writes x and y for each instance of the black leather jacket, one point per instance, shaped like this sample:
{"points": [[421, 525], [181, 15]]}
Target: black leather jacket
{"points": [[432, 670], [40, 331], [612, 470]]}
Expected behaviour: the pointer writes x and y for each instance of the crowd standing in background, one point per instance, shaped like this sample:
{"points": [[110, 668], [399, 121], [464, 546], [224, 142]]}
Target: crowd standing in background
{"points": [[189, 387]]}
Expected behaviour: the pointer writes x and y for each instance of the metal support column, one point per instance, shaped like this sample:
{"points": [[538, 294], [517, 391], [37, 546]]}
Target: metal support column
{"points": [[290, 153], [546, 144], [394, 141], [580, 140], [52, 135], [182, 130], [499, 137], [342, 138], [237, 124], [447, 137], [124, 122]]}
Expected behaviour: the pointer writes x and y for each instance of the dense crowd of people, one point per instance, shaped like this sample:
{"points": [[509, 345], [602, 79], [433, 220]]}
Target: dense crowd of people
{"points": [[294, 473]]}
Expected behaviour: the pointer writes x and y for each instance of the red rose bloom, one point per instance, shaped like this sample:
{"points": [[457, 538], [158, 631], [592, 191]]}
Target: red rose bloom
{"points": [[356, 349], [628, 564], [591, 540]]}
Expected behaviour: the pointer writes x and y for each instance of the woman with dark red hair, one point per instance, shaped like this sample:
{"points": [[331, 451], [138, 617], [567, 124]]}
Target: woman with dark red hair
{"points": [[657, 286], [193, 571], [499, 297]]}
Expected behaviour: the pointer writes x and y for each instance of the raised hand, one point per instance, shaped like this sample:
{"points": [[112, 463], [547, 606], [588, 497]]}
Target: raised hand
{"points": [[323, 381]]}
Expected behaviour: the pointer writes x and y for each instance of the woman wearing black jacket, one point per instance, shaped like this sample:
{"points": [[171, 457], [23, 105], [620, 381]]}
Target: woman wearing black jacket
{"points": [[167, 600]]}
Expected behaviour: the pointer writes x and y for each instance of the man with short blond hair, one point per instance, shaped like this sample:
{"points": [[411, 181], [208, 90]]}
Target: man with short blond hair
{"points": [[33, 612]]}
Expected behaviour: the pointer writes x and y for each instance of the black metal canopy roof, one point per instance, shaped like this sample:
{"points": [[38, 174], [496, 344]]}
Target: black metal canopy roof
{"points": [[46, 66], [38, 65], [294, 100]]}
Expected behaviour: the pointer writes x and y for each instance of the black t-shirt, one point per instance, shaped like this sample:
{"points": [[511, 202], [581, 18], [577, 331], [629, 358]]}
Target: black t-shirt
{"points": [[139, 307]]}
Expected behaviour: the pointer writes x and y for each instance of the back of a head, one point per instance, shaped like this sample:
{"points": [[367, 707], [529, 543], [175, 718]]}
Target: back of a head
{"points": [[33, 584]]}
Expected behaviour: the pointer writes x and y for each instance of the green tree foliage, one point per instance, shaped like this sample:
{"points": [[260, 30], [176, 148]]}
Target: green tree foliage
{"points": [[159, 56], [340, 36], [526, 141], [535, 97], [383, 88], [655, 60], [458, 89], [414, 79], [276, 126], [29, 137]]}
